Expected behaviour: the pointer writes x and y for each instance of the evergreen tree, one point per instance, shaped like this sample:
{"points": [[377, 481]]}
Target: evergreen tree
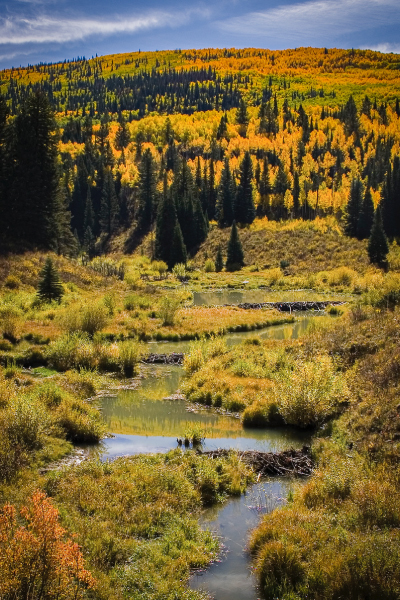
{"points": [[200, 225], [226, 197], [350, 118], [165, 226], [89, 214], [244, 210], [388, 205], [212, 194], [242, 115], [88, 242], [366, 216], [4, 152], [35, 205], [50, 287], [109, 204], [122, 136], [219, 261], [281, 185], [378, 247], [222, 127], [296, 195], [263, 207], [147, 191], [178, 253], [235, 256], [353, 208]]}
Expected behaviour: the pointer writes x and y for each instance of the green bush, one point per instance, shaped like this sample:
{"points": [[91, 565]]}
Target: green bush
{"points": [[168, 309], [80, 421], [129, 356], [25, 423], [209, 266]]}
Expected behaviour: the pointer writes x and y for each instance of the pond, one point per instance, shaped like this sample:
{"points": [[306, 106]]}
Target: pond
{"points": [[143, 421], [220, 297]]}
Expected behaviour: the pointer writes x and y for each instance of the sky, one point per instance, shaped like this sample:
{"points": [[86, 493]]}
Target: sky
{"points": [[33, 31]]}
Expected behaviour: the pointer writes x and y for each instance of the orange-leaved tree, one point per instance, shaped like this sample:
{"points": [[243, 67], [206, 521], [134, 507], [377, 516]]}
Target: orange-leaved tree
{"points": [[38, 561]]}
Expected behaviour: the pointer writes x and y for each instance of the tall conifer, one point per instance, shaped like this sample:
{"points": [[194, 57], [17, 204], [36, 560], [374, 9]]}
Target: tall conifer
{"points": [[353, 208], [244, 210], [366, 216], [226, 197], [378, 246], [235, 256], [147, 191]]}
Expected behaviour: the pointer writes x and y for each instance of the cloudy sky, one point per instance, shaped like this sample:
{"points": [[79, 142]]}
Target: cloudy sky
{"points": [[49, 30]]}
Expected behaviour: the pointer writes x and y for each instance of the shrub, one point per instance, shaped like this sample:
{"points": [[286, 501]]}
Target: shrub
{"points": [[38, 556], [71, 350], [310, 393], [94, 319], [110, 303], [129, 356], [12, 282], [342, 276], [80, 421], [50, 394], [179, 271], [168, 309], [10, 321], [209, 266], [25, 423], [160, 267]]}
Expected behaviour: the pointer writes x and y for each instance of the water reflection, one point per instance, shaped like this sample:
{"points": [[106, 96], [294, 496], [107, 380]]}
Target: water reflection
{"points": [[239, 296]]}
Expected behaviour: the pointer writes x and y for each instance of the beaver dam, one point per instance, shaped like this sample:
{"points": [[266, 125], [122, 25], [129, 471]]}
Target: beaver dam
{"points": [[287, 463], [289, 306]]}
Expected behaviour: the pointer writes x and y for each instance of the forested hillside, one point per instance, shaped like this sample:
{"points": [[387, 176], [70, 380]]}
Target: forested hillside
{"points": [[170, 141]]}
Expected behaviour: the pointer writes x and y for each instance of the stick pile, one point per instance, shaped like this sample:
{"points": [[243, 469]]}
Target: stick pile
{"points": [[289, 306], [175, 358], [288, 462]]}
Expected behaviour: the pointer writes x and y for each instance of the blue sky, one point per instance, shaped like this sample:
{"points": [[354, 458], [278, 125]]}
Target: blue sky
{"points": [[49, 30]]}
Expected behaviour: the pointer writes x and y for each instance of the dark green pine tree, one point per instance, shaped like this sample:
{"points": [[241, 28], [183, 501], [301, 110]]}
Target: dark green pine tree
{"points": [[378, 246], [147, 191], [200, 224], [50, 287], [3, 167], [109, 204], [296, 195], [235, 256], [178, 253], [353, 208], [281, 185], [396, 193], [35, 205], [88, 242], [89, 214], [212, 192], [219, 261], [222, 127], [122, 136], [165, 225], [242, 115], [226, 197], [244, 210], [366, 217], [264, 206], [350, 118]]}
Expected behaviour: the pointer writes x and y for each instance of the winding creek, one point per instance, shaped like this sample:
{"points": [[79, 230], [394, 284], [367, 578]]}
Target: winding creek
{"points": [[142, 420]]}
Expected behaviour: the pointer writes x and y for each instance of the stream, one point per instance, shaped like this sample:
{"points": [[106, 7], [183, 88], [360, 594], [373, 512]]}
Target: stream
{"points": [[144, 420]]}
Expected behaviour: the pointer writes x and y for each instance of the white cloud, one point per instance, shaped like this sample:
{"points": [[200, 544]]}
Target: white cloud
{"points": [[385, 48], [316, 21], [44, 29]]}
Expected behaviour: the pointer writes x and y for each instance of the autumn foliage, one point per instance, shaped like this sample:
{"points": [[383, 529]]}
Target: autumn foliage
{"points": [[38, 560]]}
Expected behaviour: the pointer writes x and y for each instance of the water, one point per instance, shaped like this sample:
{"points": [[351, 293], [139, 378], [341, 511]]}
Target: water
{"points": [[289, 331], [240, 296], [232, 577], [143, 421]]}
